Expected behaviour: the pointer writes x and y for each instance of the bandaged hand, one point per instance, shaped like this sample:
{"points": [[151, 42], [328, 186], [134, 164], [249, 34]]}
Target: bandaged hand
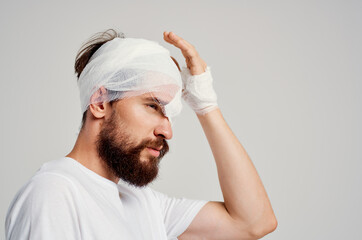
{"points": [[197, 91]]}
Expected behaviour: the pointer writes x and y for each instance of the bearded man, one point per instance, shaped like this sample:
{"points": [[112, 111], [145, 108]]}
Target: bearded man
{"points": [[130, 90]]}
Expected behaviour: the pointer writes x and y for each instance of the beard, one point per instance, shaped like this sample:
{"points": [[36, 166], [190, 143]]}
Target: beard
{"points": [[123, 157]]}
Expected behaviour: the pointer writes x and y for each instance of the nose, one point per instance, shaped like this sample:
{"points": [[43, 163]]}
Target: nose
{"points": [[164, 128]]}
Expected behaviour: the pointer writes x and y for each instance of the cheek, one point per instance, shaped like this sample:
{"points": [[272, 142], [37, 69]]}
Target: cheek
{"points": [[137, 119]]}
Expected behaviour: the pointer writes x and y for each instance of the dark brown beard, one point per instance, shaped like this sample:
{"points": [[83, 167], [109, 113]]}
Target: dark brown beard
{"points": [[122, 157]]}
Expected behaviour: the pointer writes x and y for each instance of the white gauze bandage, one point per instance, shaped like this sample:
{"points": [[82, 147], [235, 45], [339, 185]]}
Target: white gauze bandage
{"points": [[128, 67], [198, 91]]}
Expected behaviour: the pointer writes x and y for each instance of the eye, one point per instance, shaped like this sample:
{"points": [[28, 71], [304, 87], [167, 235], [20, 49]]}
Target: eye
{"points": [[154, 106]]}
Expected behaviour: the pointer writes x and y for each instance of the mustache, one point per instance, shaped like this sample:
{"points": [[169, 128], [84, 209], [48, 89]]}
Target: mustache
{"points": [[164, 149], [159, 143]]}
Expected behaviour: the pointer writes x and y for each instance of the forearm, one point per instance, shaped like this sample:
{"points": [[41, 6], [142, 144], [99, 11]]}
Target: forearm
{"points": [[244, 195]]}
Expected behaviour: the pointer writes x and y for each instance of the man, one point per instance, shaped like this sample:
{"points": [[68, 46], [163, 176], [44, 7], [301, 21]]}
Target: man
{"points": [[130, 89]]}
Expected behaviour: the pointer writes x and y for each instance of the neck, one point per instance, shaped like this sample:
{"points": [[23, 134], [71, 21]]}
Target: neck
{"points": [[85, 152]]}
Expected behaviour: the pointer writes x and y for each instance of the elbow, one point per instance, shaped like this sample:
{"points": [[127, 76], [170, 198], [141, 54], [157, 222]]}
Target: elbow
{"points": [[267, 227]]}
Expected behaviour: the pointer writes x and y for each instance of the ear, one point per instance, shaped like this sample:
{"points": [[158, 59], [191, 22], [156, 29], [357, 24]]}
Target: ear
{"points": [[99, 105]]}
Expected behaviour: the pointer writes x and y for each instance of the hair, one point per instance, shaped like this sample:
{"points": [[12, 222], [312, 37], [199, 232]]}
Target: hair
{"points": [[87, 51], [89, 48]]}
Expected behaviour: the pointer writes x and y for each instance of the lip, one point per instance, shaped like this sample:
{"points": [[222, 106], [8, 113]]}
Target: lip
{"points": [[154, 152]]}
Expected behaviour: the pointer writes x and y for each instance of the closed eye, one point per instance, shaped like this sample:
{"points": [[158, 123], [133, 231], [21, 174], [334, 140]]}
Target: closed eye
{"points": [[154, 106]]}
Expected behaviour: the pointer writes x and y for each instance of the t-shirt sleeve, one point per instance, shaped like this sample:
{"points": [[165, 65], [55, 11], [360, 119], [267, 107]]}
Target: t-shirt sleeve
{"points": [[178, 212], [44, 209]]}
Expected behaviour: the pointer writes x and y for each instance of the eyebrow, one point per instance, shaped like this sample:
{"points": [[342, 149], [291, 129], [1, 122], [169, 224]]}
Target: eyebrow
{"points": [[156, 100]]}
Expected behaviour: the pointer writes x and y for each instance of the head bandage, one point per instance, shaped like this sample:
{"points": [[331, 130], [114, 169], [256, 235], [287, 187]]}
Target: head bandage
{"points": [[128, 67]]}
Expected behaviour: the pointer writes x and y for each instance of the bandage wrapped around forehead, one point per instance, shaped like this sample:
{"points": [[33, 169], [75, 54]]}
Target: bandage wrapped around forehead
{"points": [[128, 67]]}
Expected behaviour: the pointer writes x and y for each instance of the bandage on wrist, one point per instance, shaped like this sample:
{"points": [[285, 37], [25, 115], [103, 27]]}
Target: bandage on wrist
{"points": [[198, 91]]}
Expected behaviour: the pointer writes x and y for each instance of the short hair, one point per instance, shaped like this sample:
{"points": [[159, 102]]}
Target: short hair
{"points": [[87, 51]]}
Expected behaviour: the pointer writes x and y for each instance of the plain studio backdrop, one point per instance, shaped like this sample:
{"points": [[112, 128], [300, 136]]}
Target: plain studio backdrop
{"points": [[288, 75]]}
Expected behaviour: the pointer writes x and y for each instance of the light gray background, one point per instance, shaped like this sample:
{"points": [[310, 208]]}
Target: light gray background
{"points": [[288, 78]]}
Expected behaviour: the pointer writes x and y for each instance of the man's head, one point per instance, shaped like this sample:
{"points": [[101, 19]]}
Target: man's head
{"points": [[86, 55], [133, 127]]}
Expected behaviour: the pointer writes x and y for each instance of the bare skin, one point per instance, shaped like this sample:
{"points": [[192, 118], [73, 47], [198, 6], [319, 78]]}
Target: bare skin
{"points": [[142, 122], [246, 212]]}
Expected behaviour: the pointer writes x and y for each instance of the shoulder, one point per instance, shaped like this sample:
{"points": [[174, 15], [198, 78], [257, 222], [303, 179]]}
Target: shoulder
{"points": [[64, 167], [53, 179], [46, 207], [45, 199], [41, 190], [49, 187], [48, 184], [62, 174]]}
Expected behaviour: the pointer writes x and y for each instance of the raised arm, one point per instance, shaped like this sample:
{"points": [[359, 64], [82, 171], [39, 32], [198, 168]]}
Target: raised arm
{"points": [[246, 212]]}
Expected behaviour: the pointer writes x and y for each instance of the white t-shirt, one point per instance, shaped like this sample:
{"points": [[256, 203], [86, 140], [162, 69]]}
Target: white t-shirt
{"points": [[66, 200]]}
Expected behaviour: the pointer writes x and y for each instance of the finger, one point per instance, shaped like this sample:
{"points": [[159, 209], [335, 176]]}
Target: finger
{"points": [[166, 38], [174, 41], [191, 52], [174, 35], [179, 40], [187, 49]]}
